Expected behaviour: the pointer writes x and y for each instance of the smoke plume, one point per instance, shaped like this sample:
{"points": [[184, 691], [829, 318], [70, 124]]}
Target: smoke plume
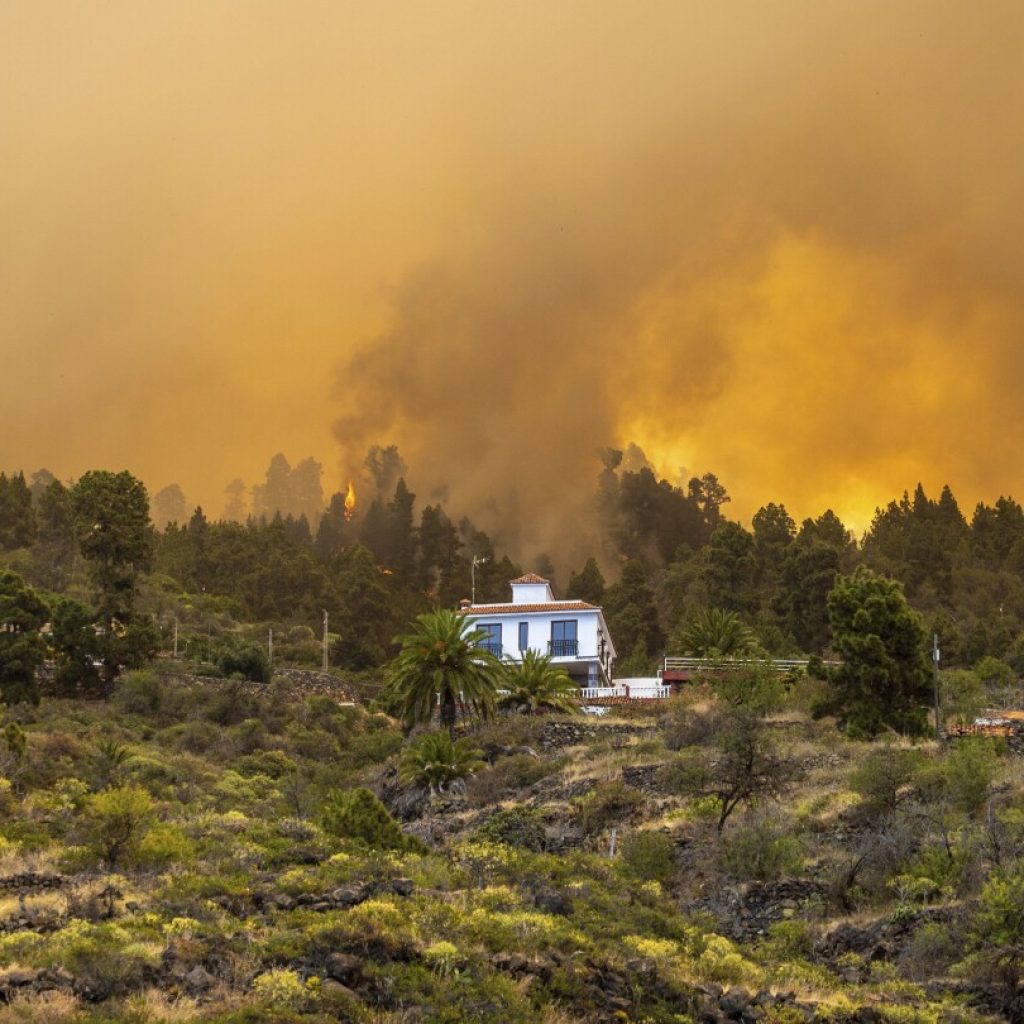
{"points": [[778, 242]]}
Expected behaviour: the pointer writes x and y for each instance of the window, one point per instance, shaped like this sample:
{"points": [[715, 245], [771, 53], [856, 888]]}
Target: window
{"points": [[563, 639], [492, 637], [524, 636]]}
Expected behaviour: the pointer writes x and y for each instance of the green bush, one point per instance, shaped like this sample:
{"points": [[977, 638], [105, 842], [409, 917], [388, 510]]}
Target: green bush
{"points": [[996, 930], [358, 815], [438, 763], [647, 855], [933, 948], [758, 688], [138, 692], [970, 771], [117, 821], [246, 660], [607, 804], [521, 827], [883, 779], [163, 846], [762, 849], [274, 764]]}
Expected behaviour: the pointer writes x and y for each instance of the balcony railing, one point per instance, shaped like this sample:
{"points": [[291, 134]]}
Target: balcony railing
{"points": [[625, 692], [563, 648], [492, 647]]}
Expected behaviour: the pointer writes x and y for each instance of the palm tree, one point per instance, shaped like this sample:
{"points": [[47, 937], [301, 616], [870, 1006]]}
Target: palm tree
{"points": [[442, 660], [438, 763], [535, 684], [713, 633]]}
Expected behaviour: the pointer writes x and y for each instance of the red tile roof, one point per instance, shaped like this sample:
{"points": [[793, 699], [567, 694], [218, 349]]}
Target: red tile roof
{"points": [[480, 610], [530, 577]]}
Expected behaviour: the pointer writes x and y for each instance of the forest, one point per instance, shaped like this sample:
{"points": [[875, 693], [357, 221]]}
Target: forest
{"points": [[661, 554], [197, 823]]}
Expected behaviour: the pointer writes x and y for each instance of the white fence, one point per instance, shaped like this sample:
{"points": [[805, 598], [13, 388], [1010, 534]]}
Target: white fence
{"points": [[630, 690]]}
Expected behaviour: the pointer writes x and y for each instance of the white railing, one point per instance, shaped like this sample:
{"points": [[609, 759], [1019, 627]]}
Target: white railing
{"points": [[725, 664], [627, 692], [601, 692], [649, 692]]}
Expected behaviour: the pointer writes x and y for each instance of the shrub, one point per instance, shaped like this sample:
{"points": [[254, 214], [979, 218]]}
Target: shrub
{"points": [[372, 747], [748, 767], [443, 958], [648, 855], [162, 846], [686, 727], [274, 764], [759, 688], [762, 849], [250, 736], [521, 827], [997, 929], [246, 660], [358, 815], [117, 820], [438, 763], [932, 950], [963, 695], [606, 804], [970, 771], [994, 673], [883, 779], [281, 989], [509, 775], [789, 940], [138, 692]]}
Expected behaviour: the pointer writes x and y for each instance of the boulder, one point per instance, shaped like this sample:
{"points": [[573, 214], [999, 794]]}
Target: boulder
{"points": [[344, 967], [199, 980]]}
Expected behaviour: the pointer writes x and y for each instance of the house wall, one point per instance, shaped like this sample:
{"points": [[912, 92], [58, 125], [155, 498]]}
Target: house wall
{"points": [[540, 630]]}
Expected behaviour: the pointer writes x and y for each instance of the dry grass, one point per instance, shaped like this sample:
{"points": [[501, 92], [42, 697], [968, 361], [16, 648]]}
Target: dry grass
{"points": [[49, 903], [13, 862], [157, 1006], [556, 1015], [40, 1008]]}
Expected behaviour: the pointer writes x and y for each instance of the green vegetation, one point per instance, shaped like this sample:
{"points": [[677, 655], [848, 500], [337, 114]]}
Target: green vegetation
{"points": [[270, 843], [882, 679], [442, 664], [438, 763], [536, 684]]}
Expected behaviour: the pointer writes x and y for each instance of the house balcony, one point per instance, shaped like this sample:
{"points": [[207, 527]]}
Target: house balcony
{"points": [[491, 647], [563, 648]]}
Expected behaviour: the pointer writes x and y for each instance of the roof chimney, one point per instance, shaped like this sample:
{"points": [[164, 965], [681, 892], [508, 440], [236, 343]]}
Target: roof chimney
{"points": [[464, 604]]}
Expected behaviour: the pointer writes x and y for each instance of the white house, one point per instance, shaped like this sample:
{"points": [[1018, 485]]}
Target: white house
{"points": [[574, 633]]}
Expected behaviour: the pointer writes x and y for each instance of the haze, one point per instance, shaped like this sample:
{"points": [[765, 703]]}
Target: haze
{"points": [[779, 242]]}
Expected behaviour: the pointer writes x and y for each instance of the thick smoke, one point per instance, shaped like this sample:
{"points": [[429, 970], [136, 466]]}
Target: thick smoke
{"points": [[803, 277], [778, 242]]}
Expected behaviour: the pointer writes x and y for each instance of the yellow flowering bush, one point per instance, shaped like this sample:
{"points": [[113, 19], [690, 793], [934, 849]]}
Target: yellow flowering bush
{"points": [[281, 989]]}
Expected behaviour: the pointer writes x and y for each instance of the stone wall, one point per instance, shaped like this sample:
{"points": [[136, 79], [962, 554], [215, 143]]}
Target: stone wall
{"points": [[571, 734], [297, 681], [744, 913]]}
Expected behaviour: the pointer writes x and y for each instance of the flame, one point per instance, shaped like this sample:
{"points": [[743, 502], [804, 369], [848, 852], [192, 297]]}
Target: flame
{"points": [[350, 501]]}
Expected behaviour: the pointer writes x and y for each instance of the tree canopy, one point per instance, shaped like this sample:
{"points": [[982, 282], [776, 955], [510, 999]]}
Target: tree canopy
{"points": [[882, 678], [440, 664]]}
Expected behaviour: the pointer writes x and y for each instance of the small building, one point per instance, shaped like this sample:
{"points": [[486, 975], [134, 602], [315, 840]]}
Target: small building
{"points": [[573, 633]]}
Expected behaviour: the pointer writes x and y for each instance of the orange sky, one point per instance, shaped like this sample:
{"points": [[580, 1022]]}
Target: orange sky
{"points": [[781, 242]]}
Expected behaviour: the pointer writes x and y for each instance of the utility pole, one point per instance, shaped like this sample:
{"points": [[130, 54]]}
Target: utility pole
{"points": [[935, 670], [175, 637], [270, 647], [325, 639], [472, 572]]}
